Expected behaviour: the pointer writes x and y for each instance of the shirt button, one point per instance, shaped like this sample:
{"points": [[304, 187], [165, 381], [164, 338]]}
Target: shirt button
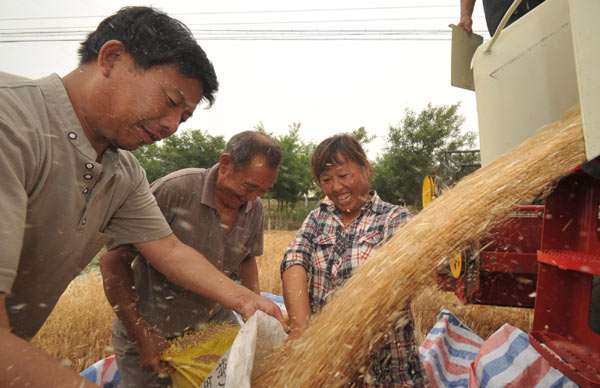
{"points": [[89, 166], [88, 176], [85, 190], [72, 135], [84, 221]]}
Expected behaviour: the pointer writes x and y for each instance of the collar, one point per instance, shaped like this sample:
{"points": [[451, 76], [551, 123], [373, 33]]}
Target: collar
{"points": [[55, 93], [376, 204]]}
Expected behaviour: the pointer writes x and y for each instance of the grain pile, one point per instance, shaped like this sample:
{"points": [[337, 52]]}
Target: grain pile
{"points": [[341, 337]]}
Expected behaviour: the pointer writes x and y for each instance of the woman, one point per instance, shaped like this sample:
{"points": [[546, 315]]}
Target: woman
{"points": [[334, 240]]}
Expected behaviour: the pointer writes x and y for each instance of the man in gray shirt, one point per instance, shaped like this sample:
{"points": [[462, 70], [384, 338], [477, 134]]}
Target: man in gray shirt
{"points": [[69, 187], [216, 211]]}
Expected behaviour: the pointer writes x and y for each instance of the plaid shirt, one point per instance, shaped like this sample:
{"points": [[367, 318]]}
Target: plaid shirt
{"points": [[330, 252]]}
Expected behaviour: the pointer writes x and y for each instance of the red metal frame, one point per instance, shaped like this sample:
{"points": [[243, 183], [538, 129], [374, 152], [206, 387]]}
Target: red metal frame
{"points": [[568, 258], [505, 273], [549, 260]]}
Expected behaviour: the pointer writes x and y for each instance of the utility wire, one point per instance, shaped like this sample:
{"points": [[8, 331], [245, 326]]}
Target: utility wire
{"points": [[264, 35], [76, 33], [83, 29], [53, 34], [321, 10], [255, 39], [259, 31], [248, 12], [328, 21], [190, 25]]}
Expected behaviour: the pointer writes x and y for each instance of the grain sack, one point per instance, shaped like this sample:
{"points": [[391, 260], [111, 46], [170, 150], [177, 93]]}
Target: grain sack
{"points": [[256, 342], [224, 355], [195, 355]]}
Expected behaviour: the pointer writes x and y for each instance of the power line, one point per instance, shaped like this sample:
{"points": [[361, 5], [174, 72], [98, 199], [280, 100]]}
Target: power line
{"points": [[253, 31], [190, 25], [35, 31], [257, 35], [326, 21], [250, 31], [75, 33], [321, 10], [257, 39], [249, 12], [38, 40], [85, 30]]}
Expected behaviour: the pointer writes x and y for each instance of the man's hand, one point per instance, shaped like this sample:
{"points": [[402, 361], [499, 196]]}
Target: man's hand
{"points": [[252, 302], [117, 276], [466, 15], [151, 345], [466, 22]]}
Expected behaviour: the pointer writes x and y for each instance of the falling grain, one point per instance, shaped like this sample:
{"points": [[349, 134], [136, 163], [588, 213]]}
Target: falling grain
{"points": [[337, 343]]}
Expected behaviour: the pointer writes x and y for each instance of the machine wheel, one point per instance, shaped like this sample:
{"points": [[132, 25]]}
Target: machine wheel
{"points": [[458, 264], [428, 193]]}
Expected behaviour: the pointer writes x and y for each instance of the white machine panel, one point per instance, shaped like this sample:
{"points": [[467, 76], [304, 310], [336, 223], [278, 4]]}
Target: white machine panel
{"points": [[540, 66]]}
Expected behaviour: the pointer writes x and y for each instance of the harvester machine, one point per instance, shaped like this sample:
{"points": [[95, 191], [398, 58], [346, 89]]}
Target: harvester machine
{"points": [[546, 256]]}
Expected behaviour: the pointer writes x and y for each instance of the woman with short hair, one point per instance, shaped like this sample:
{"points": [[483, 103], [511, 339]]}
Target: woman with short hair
{"points": [[335, 239]]}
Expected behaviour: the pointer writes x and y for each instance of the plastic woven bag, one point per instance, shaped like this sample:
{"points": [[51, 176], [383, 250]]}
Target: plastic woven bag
{"points": [[252, 349], [195, 355]]}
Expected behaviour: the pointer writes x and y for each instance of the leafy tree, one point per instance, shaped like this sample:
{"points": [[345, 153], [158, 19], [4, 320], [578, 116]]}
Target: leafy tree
{"points": [[260, 127], [193, 148], [361, 135], [151, 160], [294, 179], [413, 150]]}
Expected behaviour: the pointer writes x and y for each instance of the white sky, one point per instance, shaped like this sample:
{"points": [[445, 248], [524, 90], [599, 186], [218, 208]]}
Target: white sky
{"points": [[329, 86]]}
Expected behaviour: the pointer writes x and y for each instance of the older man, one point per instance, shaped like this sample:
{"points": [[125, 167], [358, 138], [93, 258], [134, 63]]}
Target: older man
{"points": [[218, 212], [68, 188]]}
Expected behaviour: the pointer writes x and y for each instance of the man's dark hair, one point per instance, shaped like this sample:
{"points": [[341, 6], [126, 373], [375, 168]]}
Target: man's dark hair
{"points": [[244, 146], [334, 151], [153, 38]]}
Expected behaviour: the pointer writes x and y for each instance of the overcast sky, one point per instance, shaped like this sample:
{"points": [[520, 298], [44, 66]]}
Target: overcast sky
{"points": [[319, 63]]}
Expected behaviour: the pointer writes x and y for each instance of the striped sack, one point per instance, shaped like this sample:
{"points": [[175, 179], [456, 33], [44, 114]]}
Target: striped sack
{"points": [[448, 351], [507, 359], [103, 373]]}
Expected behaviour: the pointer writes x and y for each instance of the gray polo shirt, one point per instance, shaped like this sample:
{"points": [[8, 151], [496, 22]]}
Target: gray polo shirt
{"points": [[187, 199], [58, 205]]}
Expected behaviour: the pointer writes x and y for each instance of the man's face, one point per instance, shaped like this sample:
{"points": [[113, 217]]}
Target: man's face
{"points": [[136, 107], [235, 188]]}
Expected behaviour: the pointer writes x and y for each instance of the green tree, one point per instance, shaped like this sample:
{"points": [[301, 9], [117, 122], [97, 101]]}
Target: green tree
{"points": [[361, 135], [294, 179], [414, 149], [193, 148], [150, 158]]}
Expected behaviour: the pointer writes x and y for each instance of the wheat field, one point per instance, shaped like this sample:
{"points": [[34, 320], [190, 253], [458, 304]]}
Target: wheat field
{"points": [[78, 330]]}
